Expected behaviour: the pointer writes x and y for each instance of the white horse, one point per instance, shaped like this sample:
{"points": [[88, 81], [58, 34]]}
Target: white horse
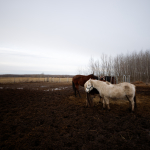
{"points": [[113, 91]]}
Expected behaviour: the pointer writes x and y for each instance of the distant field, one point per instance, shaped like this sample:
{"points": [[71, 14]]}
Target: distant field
{"points": [[32, 79]]}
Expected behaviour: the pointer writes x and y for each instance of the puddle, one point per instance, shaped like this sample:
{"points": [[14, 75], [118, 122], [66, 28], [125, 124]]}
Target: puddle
{"points": [[65, 87], [21, 88], [43, 86], [59, 88], [56, 89], [9, 88], [46, 90]]}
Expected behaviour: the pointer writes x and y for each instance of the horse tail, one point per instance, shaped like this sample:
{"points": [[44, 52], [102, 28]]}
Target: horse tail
{"points": [[135, 105], [73, 86]]}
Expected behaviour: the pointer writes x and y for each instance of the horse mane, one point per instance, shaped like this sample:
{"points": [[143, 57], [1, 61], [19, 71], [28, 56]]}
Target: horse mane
{"points": [[94, 77], [77, 77], [91, 74]]}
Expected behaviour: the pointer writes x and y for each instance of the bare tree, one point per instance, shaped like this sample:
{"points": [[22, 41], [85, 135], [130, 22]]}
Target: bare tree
{"points": [[136, 65]]}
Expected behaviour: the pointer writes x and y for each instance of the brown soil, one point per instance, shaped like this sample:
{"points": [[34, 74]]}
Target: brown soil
{"points": [[48, 116]]}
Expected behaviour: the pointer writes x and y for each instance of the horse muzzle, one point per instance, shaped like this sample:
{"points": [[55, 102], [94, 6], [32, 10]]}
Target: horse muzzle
{"points": [[89, 89]]}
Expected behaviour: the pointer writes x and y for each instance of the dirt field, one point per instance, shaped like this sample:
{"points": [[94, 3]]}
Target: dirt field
{"points": [[48, 116]]}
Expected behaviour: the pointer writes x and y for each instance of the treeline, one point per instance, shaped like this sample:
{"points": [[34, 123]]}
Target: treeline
{"points": [[136, 65]]}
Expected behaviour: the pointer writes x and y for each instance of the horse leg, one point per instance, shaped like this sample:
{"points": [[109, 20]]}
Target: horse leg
{"points": [[131, 103], [100, 101], [77, 88], [74, 88], [79, 94], [107, 103], [91, 101], [75, 92], [135, 105], [87, 100], [103, 101]]}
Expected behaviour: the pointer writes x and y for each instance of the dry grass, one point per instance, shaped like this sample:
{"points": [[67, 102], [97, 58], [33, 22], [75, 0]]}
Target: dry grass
{"points": [[31, 79]]}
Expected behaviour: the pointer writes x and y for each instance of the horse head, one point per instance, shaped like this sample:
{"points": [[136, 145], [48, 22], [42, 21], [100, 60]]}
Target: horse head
{"points": [[92, 76], [88, 86], [102, 78]]}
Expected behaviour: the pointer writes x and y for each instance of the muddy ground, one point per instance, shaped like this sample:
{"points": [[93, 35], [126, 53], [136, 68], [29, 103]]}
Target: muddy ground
{"points": [[48, 116]]}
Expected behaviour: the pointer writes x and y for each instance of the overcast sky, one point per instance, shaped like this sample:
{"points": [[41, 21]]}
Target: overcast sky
{"points": [[60, 36]]}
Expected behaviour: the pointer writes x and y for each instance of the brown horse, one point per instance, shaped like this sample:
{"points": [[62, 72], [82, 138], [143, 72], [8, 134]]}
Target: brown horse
{"points": [[79, 80]]}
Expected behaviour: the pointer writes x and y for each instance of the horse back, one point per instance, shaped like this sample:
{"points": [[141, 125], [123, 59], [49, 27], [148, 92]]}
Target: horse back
{"points": [[76, 77], [119, 90], [128, 88]]}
